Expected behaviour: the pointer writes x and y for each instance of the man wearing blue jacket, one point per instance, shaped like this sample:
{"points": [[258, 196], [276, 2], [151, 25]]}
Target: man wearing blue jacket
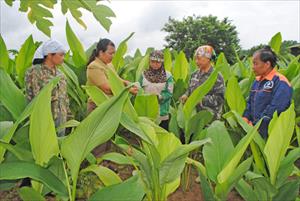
{"points": [[270, 92]]}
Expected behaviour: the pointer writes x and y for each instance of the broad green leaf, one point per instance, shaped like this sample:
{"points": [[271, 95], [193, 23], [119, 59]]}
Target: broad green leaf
{"points": [[247, 128], [167, 144], [137, 53], [116, 158], [76, 47], [149, 130], [143, 65], [173, 125], [39, 14], [20, 153], [106, 175], [5, 126], [234, 96], [97, 128], [117, 86], [42, 134], [198, 94], [129, 190], [29, 194], [73, 7], [275, 42], [263, 189], [216, 153], [69, 124], [23, 115], [172, 187], [19, 170], [118, 60], [223, 66], [73, 85], [222, 190], [4, 58], [99, 97], [197, 123], [167, 60], [293, 69], [9, 2], [172, 166], [236, 156], [181, 67], [206, 187], [245, 190], [134, 127], [96, 94], [24, 58], [258, 158], [6, 185], [289, 191], [102, 13], [11, 96], [287, 166], [179, 89], [147, 105], [8, 136], [279, 140]]}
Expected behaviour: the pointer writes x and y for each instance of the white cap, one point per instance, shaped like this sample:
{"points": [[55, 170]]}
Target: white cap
{"points": [[50, 46]]}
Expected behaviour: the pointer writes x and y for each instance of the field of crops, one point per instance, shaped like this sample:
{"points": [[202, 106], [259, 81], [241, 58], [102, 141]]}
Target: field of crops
{"points": [[224, 159]]}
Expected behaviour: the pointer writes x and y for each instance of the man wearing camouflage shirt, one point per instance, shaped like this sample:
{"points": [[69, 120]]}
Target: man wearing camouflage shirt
{"points": [[214, 99], [44, 69]]}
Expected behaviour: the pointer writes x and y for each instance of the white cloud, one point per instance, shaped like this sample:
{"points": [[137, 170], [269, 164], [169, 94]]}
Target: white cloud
{"points": [[256, 21]]}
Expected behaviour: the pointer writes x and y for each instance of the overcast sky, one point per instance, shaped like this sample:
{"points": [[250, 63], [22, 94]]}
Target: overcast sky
{"points": [[256, 21]]}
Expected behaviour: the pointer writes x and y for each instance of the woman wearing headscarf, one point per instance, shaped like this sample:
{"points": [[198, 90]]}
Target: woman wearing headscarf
{"points": [[97, 69], [156, 80], [270, 91], [213, 101], [46, 60]]}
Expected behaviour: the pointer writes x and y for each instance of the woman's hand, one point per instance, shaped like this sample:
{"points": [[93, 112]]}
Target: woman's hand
{"points": [[134, 90], [183, 98], [126, 82]]}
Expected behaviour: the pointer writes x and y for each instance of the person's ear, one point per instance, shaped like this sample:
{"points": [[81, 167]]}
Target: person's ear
{"points": [[268, 64]]}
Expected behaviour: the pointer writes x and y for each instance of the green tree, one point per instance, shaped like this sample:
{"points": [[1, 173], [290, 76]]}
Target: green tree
{"points": [[190, 32], [284, 49]]}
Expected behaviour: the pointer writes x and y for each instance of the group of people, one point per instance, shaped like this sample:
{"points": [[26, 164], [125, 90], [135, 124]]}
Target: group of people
{"points": [[270, 91]]}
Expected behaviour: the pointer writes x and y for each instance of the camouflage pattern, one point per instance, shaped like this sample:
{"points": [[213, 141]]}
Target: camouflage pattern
{"points": [[36, 78], [214, 99]]}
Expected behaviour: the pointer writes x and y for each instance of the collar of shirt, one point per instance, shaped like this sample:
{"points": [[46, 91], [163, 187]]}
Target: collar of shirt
{"points": [[210, 70], [100, 62], [53, 71], [267, 77]]}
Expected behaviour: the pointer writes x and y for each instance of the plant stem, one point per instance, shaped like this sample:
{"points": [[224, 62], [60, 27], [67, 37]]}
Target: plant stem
{"points": [[67, 179], [74, 188]]}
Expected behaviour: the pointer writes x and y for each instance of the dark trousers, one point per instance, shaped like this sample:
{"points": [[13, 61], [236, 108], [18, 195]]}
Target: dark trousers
{"points": [[164, 124]]}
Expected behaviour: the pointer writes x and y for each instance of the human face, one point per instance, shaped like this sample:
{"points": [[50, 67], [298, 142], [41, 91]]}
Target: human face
{"points": [[108, 55], [260, 68], [155, 64], [202, 62], [57, 58]]}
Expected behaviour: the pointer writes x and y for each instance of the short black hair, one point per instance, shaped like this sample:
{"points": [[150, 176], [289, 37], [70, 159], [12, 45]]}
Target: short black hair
{"points": [[267, 54]]}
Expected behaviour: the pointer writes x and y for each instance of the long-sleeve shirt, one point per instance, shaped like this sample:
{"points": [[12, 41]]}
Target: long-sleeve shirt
{"points": [[268, 94], [36, 78], [213, 101]]}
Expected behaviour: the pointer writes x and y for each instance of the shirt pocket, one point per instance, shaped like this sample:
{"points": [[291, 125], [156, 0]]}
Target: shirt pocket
{"points": [[264, 97]]}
